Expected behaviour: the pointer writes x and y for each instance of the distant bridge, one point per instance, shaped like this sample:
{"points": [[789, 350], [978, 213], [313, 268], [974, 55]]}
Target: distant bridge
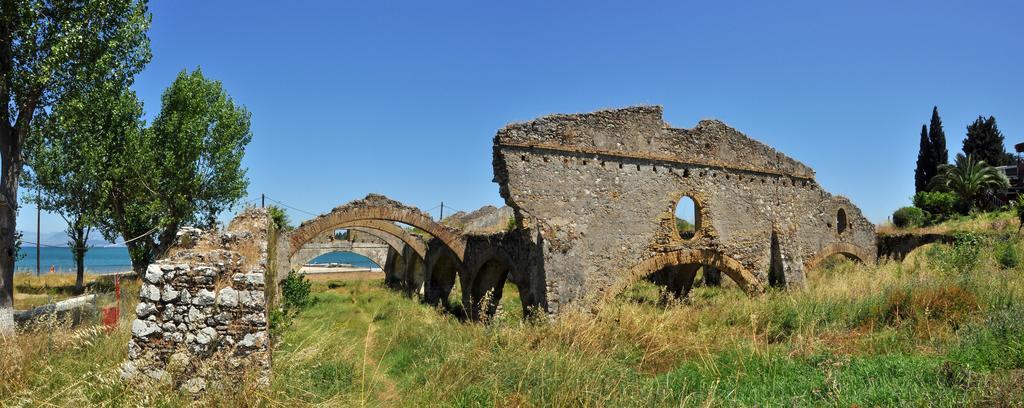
{"points": [[376, 252]]}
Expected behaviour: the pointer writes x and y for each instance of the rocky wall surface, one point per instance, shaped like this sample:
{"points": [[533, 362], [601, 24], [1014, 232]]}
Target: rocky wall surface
{"points": [[601, 189], [202, 311]]}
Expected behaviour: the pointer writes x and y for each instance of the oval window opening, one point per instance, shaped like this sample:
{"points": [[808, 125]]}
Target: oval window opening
{"points": [[687, 217], [841, 221]]}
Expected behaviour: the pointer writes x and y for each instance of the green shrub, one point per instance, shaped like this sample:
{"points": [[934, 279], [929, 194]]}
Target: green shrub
{"points": [[962, 257], [938, 204], [1018, 209], [280, 218], [511, 224], [1007, 253], [908, 217], [295, 290], [996, 342]]}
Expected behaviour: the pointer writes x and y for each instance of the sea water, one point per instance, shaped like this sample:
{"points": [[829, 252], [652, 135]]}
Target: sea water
{"points": [[101, 260], [98, 260]]}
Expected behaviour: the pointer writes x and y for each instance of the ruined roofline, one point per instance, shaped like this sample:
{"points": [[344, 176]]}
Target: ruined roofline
{"points": [[640, 132]]}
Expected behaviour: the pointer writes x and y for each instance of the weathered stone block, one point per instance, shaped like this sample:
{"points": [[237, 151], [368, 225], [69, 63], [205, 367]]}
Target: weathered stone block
{"points": [[144, 328], [204, 298], [227, 297], [150, 292], [144, 309], [169, 294], [154, 274]]}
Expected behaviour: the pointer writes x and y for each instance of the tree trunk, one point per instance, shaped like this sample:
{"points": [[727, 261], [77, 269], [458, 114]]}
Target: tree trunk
{"points": [[80, 265], [79, 236], [7, 219], [140, 252], [10, 167]]}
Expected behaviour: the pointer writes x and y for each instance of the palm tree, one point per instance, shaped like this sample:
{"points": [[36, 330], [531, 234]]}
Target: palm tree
{"points": [[969, 179]]}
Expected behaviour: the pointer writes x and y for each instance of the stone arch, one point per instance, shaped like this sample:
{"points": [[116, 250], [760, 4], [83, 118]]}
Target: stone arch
{"points": [[731, 267], [444, 269], [841, 248], [389, 229], [380, 208], [392, 241], [489, 275]]}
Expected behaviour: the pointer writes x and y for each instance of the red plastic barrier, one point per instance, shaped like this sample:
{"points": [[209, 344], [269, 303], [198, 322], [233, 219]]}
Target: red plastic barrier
{"points": [[110, 316]]}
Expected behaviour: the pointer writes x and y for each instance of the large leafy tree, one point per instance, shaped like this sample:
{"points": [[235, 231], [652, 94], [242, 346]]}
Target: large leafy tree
{"points": [[69, 154], [50, 49], [985, 142], [185, 168], [971, 180]]}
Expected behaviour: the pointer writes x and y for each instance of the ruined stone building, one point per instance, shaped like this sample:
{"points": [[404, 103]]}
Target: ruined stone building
{"points": [[592, 200]]}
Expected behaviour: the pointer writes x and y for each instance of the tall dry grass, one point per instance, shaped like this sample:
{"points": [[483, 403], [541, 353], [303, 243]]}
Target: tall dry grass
{"points": [[942, 328]]}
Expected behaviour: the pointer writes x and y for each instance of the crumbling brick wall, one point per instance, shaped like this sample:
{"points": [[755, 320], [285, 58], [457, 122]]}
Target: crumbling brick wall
{"points": [[202, 311]]}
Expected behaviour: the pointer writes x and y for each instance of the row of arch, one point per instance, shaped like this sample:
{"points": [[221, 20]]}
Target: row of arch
{"points": [[482, 281], [442, 254]]}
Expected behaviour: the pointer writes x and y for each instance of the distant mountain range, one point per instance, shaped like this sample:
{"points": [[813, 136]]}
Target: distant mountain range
{"points": [[60, 239]]}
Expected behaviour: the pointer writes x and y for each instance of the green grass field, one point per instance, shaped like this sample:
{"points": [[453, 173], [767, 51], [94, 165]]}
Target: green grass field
{"points": [[943, 328]]}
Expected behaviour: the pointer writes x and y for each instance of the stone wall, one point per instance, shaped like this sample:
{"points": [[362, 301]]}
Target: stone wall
{"points": [[600, 190], [202, 312]]}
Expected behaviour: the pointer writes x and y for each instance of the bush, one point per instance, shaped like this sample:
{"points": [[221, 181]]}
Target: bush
{"points": [[908, 217], [280, 218], [1007, 253], [295, 290], [940, 205], [962, 257], [1018, 210]]}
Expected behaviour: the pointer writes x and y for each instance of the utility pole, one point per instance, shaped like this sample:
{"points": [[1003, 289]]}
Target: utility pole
{"points": [[263, 200], [442, 212]]}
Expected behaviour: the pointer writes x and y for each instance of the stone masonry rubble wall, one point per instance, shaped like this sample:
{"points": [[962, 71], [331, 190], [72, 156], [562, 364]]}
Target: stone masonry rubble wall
{"points": [[202, 312], [601, 189]]}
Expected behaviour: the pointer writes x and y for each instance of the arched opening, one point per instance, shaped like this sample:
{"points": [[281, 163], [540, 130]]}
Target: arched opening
{"points": [[494, 296], [441, 281], [344, 265], [687, 217], [377, 208], [403, 264], [828, 258], [404, 271], [672, 275], [837, 264], [841, 222], [344, 258]]}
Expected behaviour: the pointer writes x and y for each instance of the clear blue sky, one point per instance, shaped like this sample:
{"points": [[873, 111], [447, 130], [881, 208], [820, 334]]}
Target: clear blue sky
{"points": [[403, 98]]}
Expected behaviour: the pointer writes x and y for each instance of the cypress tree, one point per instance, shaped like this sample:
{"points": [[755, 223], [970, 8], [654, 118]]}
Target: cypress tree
{"points": [[925, 164], [985, 142], [937, 137]]}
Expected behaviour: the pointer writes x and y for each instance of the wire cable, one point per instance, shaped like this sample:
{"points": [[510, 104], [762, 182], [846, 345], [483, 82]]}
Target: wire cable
{"points": [[288, 206]]}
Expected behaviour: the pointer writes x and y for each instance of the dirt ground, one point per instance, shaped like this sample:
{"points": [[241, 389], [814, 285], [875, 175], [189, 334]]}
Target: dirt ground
{"points": [[321, 274]]}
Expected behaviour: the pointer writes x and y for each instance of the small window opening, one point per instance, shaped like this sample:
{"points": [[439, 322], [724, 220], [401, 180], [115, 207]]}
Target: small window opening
{"points": [[687, 216], [841, 222]]}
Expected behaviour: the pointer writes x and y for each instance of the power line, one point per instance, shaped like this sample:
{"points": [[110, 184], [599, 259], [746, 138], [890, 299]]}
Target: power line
{"points": [[296, 209], [45, 245]]}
